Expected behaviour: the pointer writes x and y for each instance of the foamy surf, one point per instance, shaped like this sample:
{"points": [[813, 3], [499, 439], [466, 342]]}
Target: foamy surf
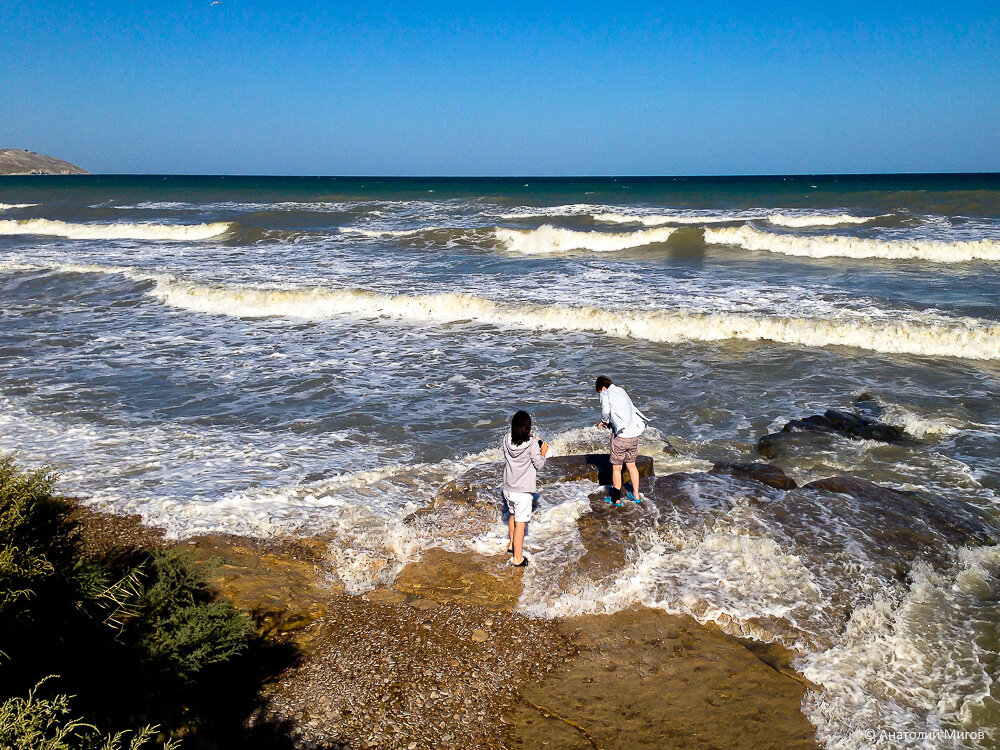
{"points": [[840, 246], [118, 231], [549, 239], [959, 337], [10, 206]]}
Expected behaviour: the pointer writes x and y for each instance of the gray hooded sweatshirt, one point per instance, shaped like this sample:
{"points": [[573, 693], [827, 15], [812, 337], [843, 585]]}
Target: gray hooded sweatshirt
{"points": [[522, 464]]}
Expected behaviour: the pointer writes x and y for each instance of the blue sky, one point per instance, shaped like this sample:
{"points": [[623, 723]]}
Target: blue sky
{"points": [[311, 87]]}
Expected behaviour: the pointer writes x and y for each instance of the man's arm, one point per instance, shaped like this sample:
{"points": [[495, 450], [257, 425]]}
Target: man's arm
{"points": [[605, 410]]}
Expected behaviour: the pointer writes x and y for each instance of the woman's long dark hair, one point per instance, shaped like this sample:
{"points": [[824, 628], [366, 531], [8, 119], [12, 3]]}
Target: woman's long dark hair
{"points": [[520, 428]]}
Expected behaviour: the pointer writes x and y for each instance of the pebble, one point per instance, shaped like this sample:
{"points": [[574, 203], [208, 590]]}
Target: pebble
{"points": [[479, 635]]}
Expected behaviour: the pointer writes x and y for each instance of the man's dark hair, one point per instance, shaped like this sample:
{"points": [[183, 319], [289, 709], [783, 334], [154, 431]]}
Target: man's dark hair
{"points": [[603, 382], [520, 428]]}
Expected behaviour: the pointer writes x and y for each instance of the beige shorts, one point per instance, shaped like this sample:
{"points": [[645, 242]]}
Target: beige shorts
{"points": [[624, 450], [519, 504]]}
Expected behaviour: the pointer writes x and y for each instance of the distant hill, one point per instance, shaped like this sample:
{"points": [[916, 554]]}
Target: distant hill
{"points": [[16, 161]]}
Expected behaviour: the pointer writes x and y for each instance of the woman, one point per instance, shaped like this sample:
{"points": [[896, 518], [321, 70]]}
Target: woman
{"points": [[523, 457]]}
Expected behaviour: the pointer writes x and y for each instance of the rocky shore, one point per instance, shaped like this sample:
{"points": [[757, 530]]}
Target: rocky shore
{"points": [[440, 659]]}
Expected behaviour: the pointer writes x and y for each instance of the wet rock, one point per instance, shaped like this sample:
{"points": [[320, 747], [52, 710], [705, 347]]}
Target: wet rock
{"points": [[482, 484], [283, 592], [838, 423], [646, 680], [768, 474]]}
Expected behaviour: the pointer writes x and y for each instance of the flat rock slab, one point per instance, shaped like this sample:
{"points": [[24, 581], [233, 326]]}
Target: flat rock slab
{"points": [[646, 680], [462, 578], [482, 484], [279, 585]]}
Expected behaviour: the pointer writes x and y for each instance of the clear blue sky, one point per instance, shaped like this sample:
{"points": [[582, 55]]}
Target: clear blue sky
{"points": [[321, 87]]}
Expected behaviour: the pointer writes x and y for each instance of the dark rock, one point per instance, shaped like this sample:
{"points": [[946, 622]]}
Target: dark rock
{"points": [[833, 422], [768, 474]]}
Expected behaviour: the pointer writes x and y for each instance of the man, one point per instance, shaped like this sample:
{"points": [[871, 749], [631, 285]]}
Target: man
{"points": [[626, 423]]}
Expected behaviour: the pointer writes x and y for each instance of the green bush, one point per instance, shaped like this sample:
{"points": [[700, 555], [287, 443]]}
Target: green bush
{"points": [[35, 723], [34, 539], [138, 639], [177, 627]]}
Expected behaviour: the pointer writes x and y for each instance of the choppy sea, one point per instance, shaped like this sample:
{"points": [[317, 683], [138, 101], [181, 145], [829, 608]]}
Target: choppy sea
{"points": [[317, 355]]}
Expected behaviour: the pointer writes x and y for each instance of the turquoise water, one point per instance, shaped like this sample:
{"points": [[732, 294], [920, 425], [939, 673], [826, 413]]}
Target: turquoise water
{"points": [[316, 355]]}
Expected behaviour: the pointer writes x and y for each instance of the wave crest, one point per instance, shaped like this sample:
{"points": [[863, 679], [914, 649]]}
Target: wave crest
{"points": [[818, 220], [962, 337], [118, 231], [549, 239], [840, 246]]}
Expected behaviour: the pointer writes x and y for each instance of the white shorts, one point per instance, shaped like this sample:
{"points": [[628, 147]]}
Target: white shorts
{"points": [[519, 505]]}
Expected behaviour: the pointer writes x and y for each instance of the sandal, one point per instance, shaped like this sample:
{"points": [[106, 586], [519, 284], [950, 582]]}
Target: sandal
{"points": [[522, 564]]}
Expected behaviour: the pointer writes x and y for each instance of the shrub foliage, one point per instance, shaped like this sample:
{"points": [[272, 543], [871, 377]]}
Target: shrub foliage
{"points": [[138, 638]]}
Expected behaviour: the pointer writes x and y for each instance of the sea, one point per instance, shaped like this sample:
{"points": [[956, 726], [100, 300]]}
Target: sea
{"points": [[317, 356]]}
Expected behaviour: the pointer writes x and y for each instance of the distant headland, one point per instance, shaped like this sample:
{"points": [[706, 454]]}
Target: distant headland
{"points": [[17, 161]]}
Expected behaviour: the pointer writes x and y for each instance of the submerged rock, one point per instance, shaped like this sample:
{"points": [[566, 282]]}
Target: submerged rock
{"points": [[914, 520], [768, 474]]}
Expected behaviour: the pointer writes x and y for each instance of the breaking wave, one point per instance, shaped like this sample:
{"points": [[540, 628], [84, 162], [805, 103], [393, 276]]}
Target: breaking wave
{"points": [[122, 231], [653, 220], [818, 220], [550, 239], [839, 246], [925, 335], [7, 206]]}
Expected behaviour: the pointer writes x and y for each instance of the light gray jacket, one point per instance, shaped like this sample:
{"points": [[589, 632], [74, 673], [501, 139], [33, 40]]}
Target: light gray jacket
{"points": [[522, 464]]}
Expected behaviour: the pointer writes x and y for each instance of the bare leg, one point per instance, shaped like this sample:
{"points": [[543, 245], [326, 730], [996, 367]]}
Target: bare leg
{"points": [[616, 476], [510, 526], [633, 473], [517, 538]]}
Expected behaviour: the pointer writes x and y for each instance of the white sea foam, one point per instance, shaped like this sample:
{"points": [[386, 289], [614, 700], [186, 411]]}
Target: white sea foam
{"points": [[916, 424], [922, 335], [386, 232], [550, 239], [839, 246], [7, 206], [817, 220], [118, 231], [911, 660]]}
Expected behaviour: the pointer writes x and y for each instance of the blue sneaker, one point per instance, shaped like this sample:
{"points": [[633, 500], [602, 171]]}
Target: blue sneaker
{"points": [[610, 501], [636, 498]]}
